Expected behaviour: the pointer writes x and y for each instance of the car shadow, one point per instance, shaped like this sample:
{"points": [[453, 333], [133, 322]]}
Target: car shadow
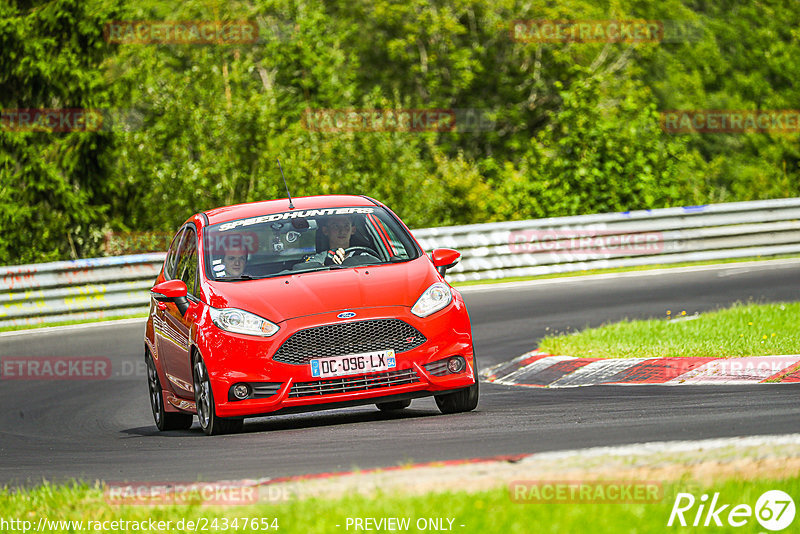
{"points": [[343, 416]]}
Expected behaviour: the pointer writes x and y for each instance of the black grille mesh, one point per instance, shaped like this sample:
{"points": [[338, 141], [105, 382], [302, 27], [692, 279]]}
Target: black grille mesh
{"points": [[354, 383], [438, 368], [349, 338], [265, 389]]}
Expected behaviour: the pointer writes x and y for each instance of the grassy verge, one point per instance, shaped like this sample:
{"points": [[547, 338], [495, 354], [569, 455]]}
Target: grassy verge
{"points": [[742, 330], [626, 269], [70, 323], [484, 512]]}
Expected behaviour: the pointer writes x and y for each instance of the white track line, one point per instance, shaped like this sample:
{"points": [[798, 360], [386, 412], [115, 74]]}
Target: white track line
{"points": [[641, 449], [71, 327]]}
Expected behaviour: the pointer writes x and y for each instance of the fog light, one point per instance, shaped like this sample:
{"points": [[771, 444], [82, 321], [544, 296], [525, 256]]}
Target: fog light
{"points": [[456, 364], [241, 391]]}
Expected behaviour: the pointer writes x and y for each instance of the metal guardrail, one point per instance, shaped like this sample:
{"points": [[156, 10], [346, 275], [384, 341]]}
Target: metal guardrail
{"points": [[647, 237], [76, 290], [116, 286]]}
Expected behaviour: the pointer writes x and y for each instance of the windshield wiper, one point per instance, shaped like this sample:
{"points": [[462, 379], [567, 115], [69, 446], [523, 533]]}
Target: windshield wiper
{"points": [[237, 278], [309, 270]]}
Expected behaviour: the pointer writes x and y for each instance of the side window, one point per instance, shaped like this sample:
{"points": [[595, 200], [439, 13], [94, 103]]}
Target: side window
{"points": [[172, 256], [398, 247], [187, 260], [384, 234]]}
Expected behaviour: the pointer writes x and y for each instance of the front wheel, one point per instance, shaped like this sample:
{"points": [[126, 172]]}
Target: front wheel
{"points": [[210, 422], [463, 400], [164, 420]]}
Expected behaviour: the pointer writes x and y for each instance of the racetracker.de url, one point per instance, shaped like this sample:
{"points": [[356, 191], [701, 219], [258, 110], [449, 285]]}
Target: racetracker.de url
{"points": [[201, 524]]}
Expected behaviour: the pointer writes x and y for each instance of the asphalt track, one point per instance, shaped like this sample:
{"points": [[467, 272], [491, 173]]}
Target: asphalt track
{"points": [[103, 429]]}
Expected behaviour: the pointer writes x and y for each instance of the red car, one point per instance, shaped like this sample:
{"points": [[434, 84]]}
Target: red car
{"points": [[287, 306]]}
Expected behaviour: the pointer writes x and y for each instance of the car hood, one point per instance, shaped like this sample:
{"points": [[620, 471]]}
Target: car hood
{"points": [[287, 297]]}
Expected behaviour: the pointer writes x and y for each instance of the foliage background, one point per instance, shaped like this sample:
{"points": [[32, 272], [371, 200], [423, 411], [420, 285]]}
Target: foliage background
{"points": [[198, 126]]}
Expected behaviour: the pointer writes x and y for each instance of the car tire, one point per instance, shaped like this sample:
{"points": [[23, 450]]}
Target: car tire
{"points": [[164, 420], [210, 422], [393, 405], [463, 400]]}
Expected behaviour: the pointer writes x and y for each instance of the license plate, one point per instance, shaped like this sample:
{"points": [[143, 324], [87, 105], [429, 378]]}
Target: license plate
{"points": [[353, 364]]}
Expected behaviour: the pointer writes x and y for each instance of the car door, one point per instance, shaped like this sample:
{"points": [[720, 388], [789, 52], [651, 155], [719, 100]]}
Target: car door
{"points": [[163, 338], [176, 328]]}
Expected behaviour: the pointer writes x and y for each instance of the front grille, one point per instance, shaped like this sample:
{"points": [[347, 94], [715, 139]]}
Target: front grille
{"points": [[354, 383], [349, 338]]}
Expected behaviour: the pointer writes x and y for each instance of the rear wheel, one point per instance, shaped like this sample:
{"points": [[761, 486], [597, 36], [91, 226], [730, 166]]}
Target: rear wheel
{"points": [[164, 420], [463, 400], [210, 422], [393, 405]]}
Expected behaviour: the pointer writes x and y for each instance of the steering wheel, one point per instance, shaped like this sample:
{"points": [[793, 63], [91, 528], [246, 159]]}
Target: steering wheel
{"points": [[349, 251]]}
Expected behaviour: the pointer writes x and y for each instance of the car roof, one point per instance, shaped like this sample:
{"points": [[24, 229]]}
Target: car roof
{"points": [[266, 207]]}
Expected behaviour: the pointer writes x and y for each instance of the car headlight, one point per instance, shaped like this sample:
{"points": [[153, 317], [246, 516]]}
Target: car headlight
{"points": [[432, 300], [242, 322]]}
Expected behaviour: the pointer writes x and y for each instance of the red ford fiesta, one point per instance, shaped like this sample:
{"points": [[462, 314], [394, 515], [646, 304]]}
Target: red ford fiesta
{"points": [[280, 306]]}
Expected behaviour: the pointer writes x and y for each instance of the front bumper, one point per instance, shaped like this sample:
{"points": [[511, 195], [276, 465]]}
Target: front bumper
{"points": [[234, 358]]}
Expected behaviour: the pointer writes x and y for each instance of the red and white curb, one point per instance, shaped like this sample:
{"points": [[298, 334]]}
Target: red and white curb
{"points": [[539, 369]]}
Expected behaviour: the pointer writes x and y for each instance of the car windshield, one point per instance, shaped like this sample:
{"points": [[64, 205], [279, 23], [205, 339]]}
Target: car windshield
{"points": [[296, 241]]}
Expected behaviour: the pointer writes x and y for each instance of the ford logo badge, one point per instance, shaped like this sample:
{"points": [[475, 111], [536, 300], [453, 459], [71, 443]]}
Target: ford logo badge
{"points": [[346, 315]]}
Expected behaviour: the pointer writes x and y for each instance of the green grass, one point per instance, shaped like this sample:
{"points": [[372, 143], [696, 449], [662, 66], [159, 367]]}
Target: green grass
{"points": [[625, 269], [742, 330], [485, 512]]}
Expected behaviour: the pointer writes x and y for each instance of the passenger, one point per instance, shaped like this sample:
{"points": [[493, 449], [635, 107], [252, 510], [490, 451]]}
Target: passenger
{"points": [[235, 260]]}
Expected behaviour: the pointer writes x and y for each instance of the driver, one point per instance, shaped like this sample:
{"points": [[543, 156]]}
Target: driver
{"points": [[338, 229]]}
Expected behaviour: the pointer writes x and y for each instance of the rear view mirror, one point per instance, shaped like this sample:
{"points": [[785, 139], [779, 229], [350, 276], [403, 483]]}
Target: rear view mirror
{"points": [[300, 224], [172, 291], [445, 258]]}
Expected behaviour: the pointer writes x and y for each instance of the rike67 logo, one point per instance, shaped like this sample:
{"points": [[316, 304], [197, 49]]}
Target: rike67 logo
{"points": [[774, 510]]}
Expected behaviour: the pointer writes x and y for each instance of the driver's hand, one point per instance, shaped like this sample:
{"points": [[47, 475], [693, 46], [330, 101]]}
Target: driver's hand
{"points": [[338, 256]]}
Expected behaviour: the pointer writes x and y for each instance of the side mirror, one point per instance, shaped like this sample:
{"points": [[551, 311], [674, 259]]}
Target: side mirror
{"points": [[445, 258], [172, 291]]}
